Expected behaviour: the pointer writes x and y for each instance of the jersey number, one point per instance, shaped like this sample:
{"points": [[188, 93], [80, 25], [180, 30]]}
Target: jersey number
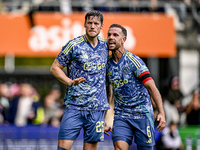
{"points": [[99, 126], [148, 131]]}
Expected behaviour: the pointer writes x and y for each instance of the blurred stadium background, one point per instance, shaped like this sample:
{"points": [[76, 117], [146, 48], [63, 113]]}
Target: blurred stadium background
{"points": [[165, 34]]}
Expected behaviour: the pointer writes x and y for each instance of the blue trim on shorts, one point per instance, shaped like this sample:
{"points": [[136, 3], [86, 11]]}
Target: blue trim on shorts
{"points": [[122, 139], [60, 148]]}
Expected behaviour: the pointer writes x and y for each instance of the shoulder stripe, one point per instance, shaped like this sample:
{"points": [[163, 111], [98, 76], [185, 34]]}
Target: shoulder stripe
{"points": [[101, 39], [73, 43], [77, 41], [85, 38], [132, 58], [134, 61]]}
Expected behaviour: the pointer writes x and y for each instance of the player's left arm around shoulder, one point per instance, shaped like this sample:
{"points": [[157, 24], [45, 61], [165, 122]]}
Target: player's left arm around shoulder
{"points": [[155, 94]]}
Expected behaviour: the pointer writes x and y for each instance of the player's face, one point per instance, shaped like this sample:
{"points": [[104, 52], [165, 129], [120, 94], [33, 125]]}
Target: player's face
{"points": [[115, 38], [93, 26]]}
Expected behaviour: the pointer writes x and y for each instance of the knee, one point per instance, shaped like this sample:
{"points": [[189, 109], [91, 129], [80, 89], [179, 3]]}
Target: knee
{"points": [[65, 144], [121, 145]]}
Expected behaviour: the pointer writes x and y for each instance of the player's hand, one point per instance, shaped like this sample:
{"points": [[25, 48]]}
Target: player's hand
{"points": [[107, 129], [162, 122], [77, 81]]}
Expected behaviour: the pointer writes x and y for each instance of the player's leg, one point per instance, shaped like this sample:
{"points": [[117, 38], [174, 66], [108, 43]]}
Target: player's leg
{"points": [[90, 146], [121, 145], [93, 129], [122, 134], [70, 127], [65, 144]]}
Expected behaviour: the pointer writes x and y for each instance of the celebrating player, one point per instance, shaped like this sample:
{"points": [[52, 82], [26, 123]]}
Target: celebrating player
{"points": [[133, 87]]}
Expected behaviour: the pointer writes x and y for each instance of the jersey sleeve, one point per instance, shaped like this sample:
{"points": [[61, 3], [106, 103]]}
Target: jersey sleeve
{"points": [[140, 69], [65, 56], [145, 76]]}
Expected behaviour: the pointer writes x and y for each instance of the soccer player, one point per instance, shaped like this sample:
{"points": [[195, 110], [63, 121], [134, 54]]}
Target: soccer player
{"points": [[85, 58], [133, 88]]}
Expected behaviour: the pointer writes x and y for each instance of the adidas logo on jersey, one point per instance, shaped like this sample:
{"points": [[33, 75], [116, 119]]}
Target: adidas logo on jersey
{"points": [[85, 56], [149, 141]]}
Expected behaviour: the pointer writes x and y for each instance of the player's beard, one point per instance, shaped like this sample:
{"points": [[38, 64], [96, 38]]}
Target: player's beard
{"points": [[114, 49], [92, 36]]}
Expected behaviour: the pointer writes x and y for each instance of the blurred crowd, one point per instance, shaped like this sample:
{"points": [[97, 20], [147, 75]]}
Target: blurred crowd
{"points": [[178, 113], [21, 105], [178, 108], [69, 6]]}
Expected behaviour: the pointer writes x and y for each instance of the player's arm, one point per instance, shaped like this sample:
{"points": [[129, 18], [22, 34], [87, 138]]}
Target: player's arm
{"points": [[155, 94], [57, 70], [110, 95], [153, 102], [109, 114]]}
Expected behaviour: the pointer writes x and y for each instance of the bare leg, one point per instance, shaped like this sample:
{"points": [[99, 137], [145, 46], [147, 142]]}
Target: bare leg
{"points": [[121, 145], [90, 146], [66, 144]]}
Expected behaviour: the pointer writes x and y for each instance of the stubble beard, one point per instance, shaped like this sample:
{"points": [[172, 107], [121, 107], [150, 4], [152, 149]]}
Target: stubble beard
{"points": [[92, 36], [115, 49]]}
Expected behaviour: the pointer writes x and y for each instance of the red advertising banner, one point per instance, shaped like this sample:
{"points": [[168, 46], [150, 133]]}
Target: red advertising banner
{"points": [[149, 35]]}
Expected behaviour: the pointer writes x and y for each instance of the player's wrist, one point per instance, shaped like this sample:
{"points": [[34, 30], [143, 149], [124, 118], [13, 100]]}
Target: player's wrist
{"points": [[70, 82]]}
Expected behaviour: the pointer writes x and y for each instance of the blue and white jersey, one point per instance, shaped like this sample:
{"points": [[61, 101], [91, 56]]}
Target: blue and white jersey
{"points": [[82, 60], [131, 97]]}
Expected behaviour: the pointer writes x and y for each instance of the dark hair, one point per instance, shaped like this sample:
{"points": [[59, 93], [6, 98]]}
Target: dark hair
{"points": [[121, 27], [94, 13]]}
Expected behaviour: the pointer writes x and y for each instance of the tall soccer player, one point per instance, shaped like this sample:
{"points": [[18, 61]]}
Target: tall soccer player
{"points": [[132, 86], [85, 58]]}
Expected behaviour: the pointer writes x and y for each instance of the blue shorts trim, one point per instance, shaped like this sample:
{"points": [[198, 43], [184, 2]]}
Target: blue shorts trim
{"points": [[73, 121], [115, 139], [60, 148]]}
